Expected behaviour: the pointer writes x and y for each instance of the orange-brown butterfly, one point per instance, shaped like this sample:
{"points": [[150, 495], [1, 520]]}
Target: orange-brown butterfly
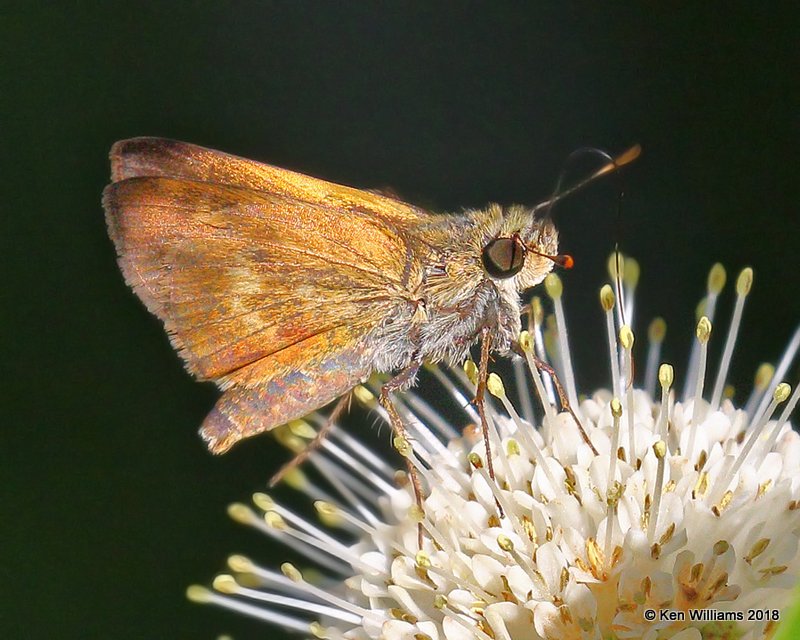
{"points": [[288, 291]]}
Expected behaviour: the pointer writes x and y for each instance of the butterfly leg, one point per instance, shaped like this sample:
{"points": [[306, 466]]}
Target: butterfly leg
{"points": [[480, 396], [480, 403], [312, 446], [400, 382], [562, 396]]}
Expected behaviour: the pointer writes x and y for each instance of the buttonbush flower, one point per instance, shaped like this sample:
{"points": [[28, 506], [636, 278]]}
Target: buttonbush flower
{"points": [[681, 516]]}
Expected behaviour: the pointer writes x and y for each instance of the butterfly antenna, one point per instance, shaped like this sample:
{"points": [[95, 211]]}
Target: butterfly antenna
{"points": [[611, 164]]}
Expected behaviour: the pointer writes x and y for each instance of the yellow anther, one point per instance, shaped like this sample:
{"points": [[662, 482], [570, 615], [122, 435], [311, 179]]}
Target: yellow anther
{"points": [[701, 485], [291, 572], [764, 376], [657, 330], [757, 549], [440, 601], [703, 330], [416, 513], [296, 479], [285, 437], [274, 520], [402, 446], [728, 391], [241, 513], [630, 276], [363, 395], [422, 559], [594, 554], [240, 564], [475, 460], [263, 501], [471, 369], [660, 449], [526, 341], [726, 499], [716, 278], [329, 513], [328, 508], [720, 547], [607, 297], [225, 583], [667, 535], [495, 386], [700, 309], [505, 543], [302, 429], [553, 286], [616, 407], [744, 282], [782, 392], [199, 594], [614, 493], [774, 570], [512, 448], [666, 375], [626, 337]]}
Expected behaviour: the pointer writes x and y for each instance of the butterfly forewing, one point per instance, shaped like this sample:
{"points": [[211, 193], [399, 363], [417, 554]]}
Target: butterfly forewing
{"points": [[138, 157], [268, 294]]}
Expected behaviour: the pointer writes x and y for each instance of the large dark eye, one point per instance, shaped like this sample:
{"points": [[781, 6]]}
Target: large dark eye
{"points": [[503, 257]]}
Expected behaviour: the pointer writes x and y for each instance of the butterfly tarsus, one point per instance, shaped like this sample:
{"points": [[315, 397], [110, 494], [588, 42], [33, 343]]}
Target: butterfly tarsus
{"points": [[480, 402], [398, 383], [342, 405], [562, 396]]}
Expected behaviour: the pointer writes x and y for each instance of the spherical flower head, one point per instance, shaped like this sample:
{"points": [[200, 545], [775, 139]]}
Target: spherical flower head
{"points": [[625, 516]]}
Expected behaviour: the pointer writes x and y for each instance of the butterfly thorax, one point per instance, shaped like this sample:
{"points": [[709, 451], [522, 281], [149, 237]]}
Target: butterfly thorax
{"points": [[451, 299]]}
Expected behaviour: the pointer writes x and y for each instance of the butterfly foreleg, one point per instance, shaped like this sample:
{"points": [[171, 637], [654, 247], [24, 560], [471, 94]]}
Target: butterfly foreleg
{"points": [[541, 365], [401, 438], [322, 434]]}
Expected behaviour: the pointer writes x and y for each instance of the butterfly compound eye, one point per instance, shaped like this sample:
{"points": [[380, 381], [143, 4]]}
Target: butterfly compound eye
{"points": [[503, 257]]}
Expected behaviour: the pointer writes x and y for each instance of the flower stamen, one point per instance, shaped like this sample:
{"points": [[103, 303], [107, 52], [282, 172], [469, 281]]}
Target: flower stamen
{"points": [[743, 285], [656, 333], [697, 509], [554, 289]]}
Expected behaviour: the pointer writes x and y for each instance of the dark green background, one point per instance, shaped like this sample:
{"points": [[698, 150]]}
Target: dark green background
{"points": [[110, 504]]}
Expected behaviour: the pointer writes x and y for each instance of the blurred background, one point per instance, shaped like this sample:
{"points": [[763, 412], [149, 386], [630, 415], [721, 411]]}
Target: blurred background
{"points": [[111, 505]]}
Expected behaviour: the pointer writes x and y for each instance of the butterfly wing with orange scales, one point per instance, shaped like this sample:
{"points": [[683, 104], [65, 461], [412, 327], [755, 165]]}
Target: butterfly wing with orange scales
{"points": [[267, 281]]}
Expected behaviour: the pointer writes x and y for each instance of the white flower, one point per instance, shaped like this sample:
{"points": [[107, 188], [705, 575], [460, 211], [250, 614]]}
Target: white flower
{"points": [[679, 519]]}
